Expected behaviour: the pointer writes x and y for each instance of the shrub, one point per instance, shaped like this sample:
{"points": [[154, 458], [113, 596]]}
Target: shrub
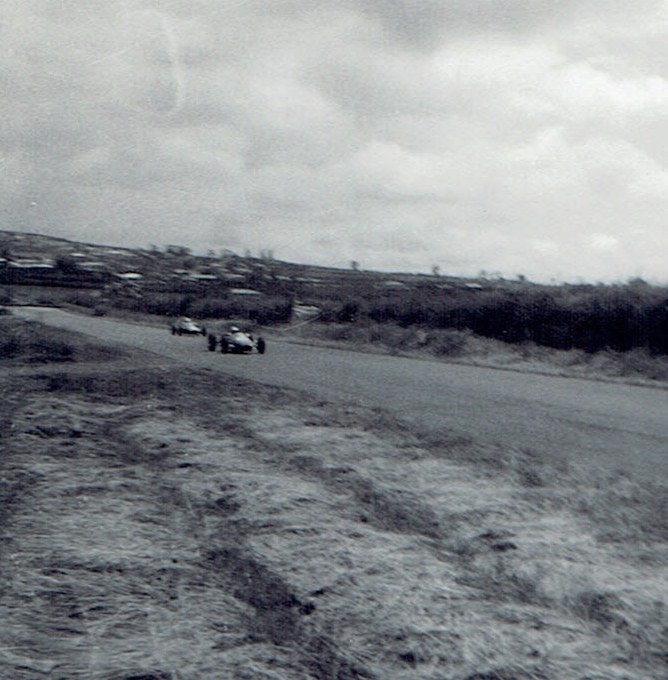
{"points": [[82, 299], [452, 343]]}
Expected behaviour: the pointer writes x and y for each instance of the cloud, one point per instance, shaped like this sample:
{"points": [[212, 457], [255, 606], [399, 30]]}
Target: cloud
{"points": [[498, 135], [602, 242]]}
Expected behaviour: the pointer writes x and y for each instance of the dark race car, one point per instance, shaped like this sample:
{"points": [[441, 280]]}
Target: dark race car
{"points": [[233, 340]]}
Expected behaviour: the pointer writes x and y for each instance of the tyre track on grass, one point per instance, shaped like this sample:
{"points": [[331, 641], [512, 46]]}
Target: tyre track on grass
{"points": [[278, 611], [79, 592]]}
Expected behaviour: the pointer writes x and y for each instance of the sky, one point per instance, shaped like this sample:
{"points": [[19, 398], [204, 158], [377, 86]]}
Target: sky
{"points": [[514, 137]]}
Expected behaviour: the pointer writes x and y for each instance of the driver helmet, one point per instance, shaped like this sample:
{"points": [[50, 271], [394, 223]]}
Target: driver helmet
{"points": [[234, 329]]}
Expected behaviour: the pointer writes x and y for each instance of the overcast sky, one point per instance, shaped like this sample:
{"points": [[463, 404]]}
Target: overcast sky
{"points": [[514, 136]]}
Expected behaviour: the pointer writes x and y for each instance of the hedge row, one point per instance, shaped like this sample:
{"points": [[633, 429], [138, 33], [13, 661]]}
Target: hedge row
{"points": [[591, 318], [263, 311]]}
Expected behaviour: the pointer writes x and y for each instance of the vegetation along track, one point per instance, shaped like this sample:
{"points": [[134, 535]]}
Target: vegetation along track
{"points": [[158, 528], [608, 427]]}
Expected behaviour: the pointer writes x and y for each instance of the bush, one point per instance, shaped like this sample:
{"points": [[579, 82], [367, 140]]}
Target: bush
{"points": [[82, 299], [449, 343]]}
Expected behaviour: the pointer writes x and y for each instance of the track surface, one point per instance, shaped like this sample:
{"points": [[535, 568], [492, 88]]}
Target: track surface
{"points": [[605, 425]]}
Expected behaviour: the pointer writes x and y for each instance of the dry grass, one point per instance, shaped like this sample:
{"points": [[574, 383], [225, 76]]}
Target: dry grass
{"points": [[150, 532], [462, 346]]}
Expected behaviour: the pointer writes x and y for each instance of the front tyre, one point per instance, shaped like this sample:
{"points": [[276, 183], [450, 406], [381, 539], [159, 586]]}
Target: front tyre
{"points": [[224, 346], [212, 342], [261, 346]]}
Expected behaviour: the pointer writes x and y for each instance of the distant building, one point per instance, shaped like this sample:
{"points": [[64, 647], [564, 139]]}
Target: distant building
{"points": [[37, 260], [232, 277], [245, 292], [93, 266], [177, 250], [203, 277], [25, 263]]}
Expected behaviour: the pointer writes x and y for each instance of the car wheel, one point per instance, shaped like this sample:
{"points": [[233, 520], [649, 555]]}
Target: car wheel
{"points": [[173, 330], [212, 343], [224, 346], [261, 346]]}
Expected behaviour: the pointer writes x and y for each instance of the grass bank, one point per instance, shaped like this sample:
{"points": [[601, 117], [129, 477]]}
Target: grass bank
{"points": [[462, 346], [160, 529]]}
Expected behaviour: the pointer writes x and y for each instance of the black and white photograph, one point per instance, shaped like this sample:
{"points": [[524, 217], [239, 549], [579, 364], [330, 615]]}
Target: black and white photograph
{"points": [[333, 340]]}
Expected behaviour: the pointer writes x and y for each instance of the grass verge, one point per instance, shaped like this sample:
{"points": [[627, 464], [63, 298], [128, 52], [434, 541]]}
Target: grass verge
{"points": [[159, 530], [462, 346]]}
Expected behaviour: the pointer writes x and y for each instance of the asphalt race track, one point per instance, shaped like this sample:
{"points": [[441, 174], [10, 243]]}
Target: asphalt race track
{"points": [[607, 425]]}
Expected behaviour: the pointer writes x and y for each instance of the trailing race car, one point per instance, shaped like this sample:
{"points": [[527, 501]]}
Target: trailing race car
{"points": [[233, 340], [186, 326]]}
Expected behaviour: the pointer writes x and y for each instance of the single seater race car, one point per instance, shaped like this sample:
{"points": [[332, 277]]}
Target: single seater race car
{"points": [[186, 326], [233, 340]]}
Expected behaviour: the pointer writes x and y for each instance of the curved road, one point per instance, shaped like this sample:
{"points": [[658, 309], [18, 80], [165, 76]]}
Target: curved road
{"points": [[606, 425]]}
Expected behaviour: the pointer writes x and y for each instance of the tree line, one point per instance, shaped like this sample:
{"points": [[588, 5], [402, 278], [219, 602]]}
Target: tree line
{"points": [[591, 318]]}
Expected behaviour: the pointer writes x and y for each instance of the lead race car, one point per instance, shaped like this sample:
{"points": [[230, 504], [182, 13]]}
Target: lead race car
{"points": [[234, 340]]}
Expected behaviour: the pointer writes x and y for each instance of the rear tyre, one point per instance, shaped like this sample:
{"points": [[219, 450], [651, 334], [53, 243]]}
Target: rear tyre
{"points": [[224, 347], [261, 346], [173, 330], [212, 342]]}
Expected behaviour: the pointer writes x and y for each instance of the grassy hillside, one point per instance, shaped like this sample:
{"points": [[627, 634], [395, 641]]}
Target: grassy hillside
{"points": [[174, 282]]}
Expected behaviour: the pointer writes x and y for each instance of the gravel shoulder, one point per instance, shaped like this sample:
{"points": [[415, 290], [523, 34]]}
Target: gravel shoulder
{"points": [[157, 525]]}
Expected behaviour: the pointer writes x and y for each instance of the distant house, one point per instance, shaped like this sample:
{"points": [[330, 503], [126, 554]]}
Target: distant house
{"points": [[31, 263], [202, 277], [93, 266], [245, 292], [232, 277], [124, 253]]}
